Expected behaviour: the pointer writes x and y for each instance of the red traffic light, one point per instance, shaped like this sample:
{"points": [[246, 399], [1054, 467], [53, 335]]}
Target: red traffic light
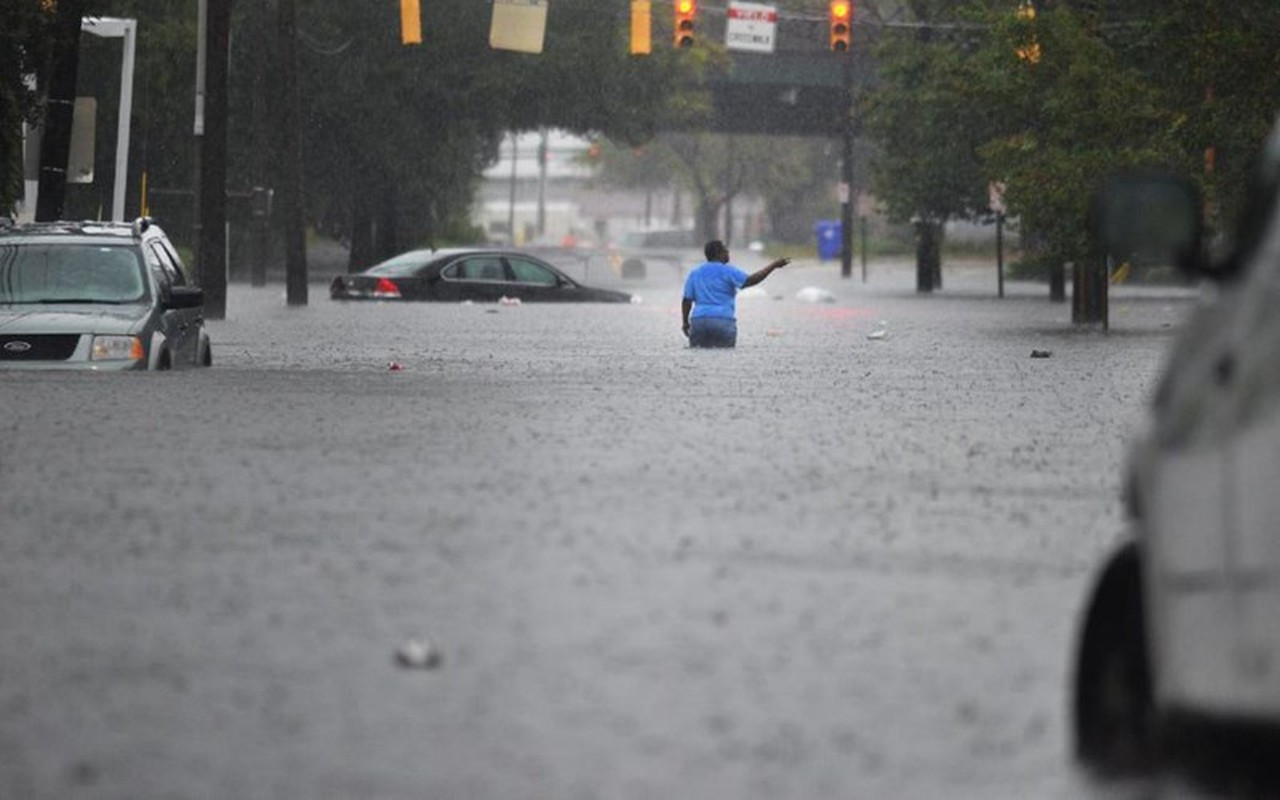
{"points": [[686, 13], [841, 17]]}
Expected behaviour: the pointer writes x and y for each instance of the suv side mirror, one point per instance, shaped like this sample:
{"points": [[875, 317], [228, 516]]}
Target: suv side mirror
{"points": [[1151, 216], [185, 297]]}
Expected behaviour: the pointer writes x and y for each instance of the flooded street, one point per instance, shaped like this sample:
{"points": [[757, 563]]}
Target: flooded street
{"points": [[833, 562]]}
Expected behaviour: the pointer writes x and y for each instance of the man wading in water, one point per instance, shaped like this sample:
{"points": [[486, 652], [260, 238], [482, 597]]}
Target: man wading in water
{"points": [[709, 293]]}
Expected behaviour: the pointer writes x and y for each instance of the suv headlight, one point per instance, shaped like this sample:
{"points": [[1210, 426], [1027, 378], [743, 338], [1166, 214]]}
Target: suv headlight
{"points": [[116, 348]]}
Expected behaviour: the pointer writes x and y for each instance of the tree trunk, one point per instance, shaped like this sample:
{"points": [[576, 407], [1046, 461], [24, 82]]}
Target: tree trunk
{"points": [[1089, 292], [292, 192], [928, 255], [1058, 282], [55, 143], [388, 240], [362, 252], [707, 213]]}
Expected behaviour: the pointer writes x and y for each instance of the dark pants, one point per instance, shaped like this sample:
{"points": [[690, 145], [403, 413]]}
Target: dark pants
{"points": [[712, 332]]}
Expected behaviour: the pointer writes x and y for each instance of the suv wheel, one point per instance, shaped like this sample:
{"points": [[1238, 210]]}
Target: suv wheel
{"points": [[1114, 709]]}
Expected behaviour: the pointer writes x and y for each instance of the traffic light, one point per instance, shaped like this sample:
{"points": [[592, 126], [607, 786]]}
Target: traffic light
{"points": [[641, 23], [841, 14], [686, 13], [410, 22]]}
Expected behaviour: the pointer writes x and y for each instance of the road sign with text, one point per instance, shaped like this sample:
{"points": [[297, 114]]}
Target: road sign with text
{"points": [[751, 27]]}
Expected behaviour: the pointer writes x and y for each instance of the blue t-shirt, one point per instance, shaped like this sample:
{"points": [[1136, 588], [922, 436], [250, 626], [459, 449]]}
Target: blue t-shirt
{"points": [[712, 287]]}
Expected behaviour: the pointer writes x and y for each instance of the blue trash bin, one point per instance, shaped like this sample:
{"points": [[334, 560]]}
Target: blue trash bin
{"points": [[828, 232]]}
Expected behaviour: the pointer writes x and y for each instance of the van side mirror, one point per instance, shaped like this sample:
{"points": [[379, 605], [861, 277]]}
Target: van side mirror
{"points": [[1152, 217], [185, 297]]}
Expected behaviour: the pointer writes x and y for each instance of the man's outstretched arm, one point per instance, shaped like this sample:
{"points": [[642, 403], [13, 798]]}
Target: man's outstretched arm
{"points": [[763, 273]]}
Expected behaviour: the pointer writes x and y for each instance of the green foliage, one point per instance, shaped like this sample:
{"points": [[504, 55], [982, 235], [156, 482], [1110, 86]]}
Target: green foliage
{"points": [[392, 133], [1115, 85], [27, 39], [1071, 118], [928, 128]]}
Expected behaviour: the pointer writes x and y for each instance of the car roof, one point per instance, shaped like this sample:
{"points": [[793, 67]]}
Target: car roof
{"points": [[429, 256]]}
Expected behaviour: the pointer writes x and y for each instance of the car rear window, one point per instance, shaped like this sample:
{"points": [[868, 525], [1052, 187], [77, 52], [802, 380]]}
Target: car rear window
{"points": [[401, 265], [70, 273]]}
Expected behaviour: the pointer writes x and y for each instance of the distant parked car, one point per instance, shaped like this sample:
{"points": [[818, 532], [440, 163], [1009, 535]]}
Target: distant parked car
{"points": [[1181, 633], [480, 275], [97, 295], [673, 247]]}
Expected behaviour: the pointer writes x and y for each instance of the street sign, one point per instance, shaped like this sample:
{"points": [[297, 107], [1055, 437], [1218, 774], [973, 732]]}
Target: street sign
{"points": [[519, 25], [995, 197], [750, 27]]}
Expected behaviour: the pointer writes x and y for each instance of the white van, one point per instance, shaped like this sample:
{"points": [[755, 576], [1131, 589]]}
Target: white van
{"points": [[1182, 630]]}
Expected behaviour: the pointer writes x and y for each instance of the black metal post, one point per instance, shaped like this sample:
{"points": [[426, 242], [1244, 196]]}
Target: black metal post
{"points": [[846, 169], [211, 255], [1000, 254], [55, 141]]}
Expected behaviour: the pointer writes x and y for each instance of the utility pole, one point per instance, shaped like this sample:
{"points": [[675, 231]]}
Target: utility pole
{"points": [[291, 190], [197, 154], [260, 44], [55, 142], [212, 243]]}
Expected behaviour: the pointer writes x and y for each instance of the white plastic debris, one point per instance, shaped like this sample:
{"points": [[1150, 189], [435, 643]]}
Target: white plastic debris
{"points": [[418, 653], [881, 330], [813, 294], [508, 301], [636, 299]]}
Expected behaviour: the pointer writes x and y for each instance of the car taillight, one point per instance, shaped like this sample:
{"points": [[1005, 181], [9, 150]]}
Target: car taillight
{"points": [[386, 289]]}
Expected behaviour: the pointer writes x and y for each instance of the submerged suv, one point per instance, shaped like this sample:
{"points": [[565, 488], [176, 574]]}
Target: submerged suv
{"points": [[97, 295], [1182, 631]]}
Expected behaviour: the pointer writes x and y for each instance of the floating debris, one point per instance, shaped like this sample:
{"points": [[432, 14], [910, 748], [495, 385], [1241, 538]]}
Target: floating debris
{"points": [[813, 294], [395, 366], [508, 301], [881, 330], [419, 653], [1041, 353]]}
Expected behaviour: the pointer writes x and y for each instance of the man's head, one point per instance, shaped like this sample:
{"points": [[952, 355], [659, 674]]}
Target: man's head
{"points": [[716, 251]]}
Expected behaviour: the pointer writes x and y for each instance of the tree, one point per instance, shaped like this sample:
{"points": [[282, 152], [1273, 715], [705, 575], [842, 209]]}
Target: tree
{"points": [[25, 40], [1074, 116], [37, 46], [928, 130], [397, 137]]}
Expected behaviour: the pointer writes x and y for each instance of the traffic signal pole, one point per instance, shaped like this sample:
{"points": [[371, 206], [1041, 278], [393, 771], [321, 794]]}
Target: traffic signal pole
{"points": [[840, 42], [846, 168]]}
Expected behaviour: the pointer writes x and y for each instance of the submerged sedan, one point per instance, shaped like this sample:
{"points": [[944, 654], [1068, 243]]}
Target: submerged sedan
{"points": [[468, 274]]}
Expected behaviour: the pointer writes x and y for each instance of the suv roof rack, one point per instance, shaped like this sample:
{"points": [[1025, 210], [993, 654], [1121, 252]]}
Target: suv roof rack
{"points": [[88, 227]]}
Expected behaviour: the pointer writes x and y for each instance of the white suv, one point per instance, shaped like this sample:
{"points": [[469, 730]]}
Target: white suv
{"points": [[1182, 631]]}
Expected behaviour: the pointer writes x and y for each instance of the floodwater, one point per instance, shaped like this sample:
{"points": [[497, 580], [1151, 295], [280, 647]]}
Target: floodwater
{"points": [[846, 559]]}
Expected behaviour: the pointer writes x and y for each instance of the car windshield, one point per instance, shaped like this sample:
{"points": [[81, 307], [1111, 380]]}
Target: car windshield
{"points": [[70, 273]]}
